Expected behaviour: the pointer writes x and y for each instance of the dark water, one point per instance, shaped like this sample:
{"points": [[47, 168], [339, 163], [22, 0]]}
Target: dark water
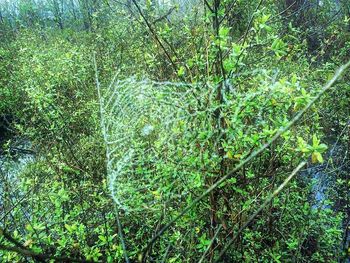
{"points": [[323, 179], [12, 163]]}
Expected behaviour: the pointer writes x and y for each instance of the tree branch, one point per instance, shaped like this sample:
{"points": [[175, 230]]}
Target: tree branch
{"points": [[155, 35], [267, 201], [22, 250]]}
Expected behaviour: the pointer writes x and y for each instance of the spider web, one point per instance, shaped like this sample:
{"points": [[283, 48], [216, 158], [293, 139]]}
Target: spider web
{"points": [[143, 125], [154, 133]]}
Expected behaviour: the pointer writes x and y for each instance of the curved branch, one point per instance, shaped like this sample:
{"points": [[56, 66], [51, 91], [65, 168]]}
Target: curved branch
{"points": [[22, 250]]}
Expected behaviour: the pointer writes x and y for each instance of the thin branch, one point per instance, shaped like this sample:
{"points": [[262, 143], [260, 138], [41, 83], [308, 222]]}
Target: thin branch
{"points": [[233, 4], [40, 257], [251, 21], [246, 34], [208, 6], [164, 16], [267, 201], [22, 250], [155, 35], [166, 254], [210, 244], [284, 11]]}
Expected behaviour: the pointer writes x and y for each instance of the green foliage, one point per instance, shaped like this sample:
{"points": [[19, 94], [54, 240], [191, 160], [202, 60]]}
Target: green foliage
{"points": [[245, 67]]}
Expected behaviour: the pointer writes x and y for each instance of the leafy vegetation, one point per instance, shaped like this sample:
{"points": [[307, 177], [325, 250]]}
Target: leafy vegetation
{"points": [[174, 131]]}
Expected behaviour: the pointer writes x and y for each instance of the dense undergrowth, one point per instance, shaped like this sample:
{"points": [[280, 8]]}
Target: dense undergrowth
{"points": [[238, 71]]}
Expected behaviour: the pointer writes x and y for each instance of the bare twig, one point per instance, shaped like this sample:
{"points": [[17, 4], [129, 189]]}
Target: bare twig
{"points": [[155, 35], [210, 244], [164, 16], [267, 201]]}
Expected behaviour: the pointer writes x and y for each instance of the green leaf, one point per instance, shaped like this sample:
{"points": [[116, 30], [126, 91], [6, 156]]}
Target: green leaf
{"points": [[315, 141], [223, 32], [316, 157], [102, 238], [181, 71], [322, 147], [279, 47]]}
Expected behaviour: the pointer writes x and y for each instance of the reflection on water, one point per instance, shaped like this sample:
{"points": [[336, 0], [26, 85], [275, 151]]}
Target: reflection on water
{"points": [[11, 164]]}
